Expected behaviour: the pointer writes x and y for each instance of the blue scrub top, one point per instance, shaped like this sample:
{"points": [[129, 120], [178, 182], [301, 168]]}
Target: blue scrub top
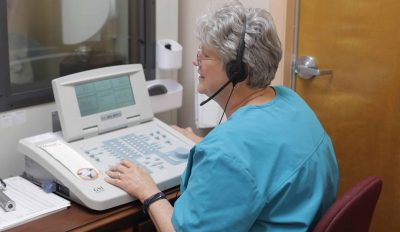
{"points": [[267, 168]]}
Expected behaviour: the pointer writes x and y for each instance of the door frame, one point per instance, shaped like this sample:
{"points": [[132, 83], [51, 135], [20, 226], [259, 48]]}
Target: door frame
{"points": [[286, 15]]}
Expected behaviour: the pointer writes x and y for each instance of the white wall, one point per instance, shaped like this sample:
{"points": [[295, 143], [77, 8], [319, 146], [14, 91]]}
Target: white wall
{"points": [[189, 11], [167, 28]]}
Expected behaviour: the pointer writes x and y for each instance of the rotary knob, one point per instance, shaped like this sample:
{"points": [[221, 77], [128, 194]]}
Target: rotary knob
{"points": [[181, 153]]}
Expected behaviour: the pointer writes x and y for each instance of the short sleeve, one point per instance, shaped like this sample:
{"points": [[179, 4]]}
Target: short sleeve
{"points": [[220, 195]]}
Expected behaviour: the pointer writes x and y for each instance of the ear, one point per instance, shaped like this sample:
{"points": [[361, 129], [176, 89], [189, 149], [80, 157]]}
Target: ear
{"points": [[236, 71]]}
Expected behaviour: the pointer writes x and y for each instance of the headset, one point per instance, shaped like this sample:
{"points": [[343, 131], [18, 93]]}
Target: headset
{"points": [[236, 70]]}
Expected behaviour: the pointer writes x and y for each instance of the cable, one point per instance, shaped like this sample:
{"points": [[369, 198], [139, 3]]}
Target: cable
{"points": [[227, 101]]}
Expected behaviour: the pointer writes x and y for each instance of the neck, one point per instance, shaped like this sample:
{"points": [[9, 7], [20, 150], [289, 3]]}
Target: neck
{"points": [[245, 96]]}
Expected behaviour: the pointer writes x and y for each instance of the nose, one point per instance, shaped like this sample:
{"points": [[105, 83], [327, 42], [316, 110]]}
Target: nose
{"points": [[195, 62]]}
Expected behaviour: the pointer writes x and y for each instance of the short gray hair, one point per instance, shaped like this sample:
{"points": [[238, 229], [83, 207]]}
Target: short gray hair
{"points": [[221, 30]]}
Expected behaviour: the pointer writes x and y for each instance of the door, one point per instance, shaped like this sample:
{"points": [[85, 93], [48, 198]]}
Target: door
{"points": [[359, 102]]}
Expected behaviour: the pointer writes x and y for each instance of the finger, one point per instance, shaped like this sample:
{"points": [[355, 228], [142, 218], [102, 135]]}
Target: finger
{"points": [[119, 168], [114, 167], [177, 128], [113, 174], [127, 163], [112, 181]]}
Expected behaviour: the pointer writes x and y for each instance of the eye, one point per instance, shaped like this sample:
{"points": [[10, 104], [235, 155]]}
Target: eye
{"points": [[206, 54]]}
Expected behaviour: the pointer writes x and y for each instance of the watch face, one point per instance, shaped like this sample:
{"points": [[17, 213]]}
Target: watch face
{"points": [[88, 173]]}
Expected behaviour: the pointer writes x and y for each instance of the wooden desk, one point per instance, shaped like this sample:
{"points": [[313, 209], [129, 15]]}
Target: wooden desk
{"points": [[128, 217]]}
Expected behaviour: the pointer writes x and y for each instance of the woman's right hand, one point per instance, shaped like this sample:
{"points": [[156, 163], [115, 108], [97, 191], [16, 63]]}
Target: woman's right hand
{"points": [[133, 179], [188, 133]]}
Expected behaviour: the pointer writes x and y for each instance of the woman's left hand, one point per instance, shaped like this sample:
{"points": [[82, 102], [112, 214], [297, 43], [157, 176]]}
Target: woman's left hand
{"points": [[132, 179], [188, 133]]}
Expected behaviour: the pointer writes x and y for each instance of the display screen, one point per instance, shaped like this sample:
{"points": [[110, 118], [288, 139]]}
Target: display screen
{"points": [[100, 96]]}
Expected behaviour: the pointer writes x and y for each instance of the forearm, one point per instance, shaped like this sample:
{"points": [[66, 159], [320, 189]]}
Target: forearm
{"points": [[188, 133], [161, 213]]}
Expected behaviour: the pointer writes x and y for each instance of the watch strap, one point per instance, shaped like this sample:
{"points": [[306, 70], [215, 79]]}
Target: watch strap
{"points": [[150, 200]]}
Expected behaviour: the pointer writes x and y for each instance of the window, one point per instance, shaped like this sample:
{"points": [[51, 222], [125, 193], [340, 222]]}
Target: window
{"points": [[44, 39]]}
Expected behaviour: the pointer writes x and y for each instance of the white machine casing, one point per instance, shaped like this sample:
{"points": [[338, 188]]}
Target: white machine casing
{"points": [[86, 135], [84, 127]]}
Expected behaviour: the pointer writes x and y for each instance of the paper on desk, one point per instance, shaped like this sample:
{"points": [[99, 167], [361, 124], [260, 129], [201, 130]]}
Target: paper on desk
{"points": [[31, 203], [71, 159]]}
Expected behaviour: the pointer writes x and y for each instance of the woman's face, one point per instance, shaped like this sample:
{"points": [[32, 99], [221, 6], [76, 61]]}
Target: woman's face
{"points": [[211, 73]]}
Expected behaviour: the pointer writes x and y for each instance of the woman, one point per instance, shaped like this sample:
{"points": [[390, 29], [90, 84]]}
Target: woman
{"points": [[270, 166]]}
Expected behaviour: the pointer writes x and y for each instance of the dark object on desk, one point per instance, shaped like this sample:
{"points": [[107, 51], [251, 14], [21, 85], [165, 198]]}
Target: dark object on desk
{"points": [[157, 89], [2, 185], [5, 202], [354, 209]]}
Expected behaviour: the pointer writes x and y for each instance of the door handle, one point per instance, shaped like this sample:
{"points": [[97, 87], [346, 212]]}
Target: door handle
{"points": [[306, 68]]}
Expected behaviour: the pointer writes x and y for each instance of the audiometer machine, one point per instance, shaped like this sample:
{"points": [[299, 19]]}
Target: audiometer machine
{"points": [[105, 116]]}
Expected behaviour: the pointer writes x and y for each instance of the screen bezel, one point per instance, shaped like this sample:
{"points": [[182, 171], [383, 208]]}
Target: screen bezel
{"points": [[74, 126]]}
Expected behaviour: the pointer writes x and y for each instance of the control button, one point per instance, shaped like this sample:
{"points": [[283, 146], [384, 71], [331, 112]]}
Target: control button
{"points": [[181, 153]]}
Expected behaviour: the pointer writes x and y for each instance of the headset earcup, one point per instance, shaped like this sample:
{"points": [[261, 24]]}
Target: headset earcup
{"points": [[236, 72]]}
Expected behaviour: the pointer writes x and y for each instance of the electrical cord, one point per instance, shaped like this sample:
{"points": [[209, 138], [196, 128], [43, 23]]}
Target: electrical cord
{"points": [[227, 101]]}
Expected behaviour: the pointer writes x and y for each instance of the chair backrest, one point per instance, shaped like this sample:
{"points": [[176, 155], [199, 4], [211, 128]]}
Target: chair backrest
{"points": [[353, 210]]}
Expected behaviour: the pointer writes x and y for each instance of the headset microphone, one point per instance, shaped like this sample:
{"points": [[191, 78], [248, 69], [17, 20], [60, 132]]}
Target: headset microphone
{"points": [[216, 93]]}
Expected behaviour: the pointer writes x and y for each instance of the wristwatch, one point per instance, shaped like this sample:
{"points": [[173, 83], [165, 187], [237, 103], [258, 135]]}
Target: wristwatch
{"points": [[151, 200]]}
